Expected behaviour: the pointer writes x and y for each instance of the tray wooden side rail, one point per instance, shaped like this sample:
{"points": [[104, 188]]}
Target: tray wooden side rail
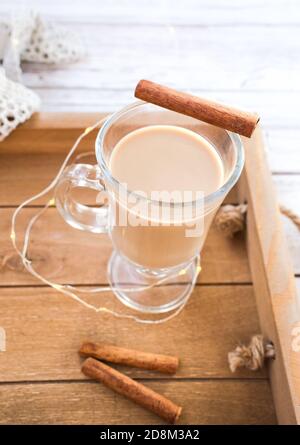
{"points": [[40, 378], [273, 278]]}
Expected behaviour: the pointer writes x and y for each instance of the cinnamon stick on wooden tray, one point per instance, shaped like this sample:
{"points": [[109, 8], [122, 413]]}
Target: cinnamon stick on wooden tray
{"points": [[130, 357], [224, 116], [131, 389]]}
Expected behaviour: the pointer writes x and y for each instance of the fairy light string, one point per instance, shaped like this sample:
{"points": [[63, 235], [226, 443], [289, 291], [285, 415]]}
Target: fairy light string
{"points": [[67, 289]]}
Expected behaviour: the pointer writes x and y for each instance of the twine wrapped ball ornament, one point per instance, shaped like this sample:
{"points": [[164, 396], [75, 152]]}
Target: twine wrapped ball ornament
{"points": [[230, 219], [251, 356]]}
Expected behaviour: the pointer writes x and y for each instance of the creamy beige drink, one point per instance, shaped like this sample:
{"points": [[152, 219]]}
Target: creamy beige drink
{"points": [[171, 159]]}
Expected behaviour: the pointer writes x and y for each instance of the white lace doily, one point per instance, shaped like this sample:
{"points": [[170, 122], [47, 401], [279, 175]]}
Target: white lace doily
{"points": [[52, 44], [17, 103], [26, 36]]}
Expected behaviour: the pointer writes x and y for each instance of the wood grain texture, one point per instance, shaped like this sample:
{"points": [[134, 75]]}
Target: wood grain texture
{"points": [[37, 171], [279, 141], [80, 99], [61, 371], [208, 402], [274, 282], [48, 136], [51, 133], [253, 45], [40, 135], [192, 12], [61, 253], [45, 329], [119, 55]]}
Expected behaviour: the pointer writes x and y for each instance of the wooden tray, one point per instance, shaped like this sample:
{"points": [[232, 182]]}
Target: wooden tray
{"points": [[246, 287]]}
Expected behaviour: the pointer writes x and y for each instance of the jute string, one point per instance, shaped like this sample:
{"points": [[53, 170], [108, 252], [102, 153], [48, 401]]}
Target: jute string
{"points": [[230, 219], [291, 215], [252, 356]]}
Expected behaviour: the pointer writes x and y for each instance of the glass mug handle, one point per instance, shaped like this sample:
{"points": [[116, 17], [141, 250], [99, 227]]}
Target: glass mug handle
{"points": [[80, 216]]}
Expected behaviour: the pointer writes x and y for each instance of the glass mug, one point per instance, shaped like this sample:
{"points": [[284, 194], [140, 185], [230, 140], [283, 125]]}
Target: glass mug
{"points": [[154, 266]]}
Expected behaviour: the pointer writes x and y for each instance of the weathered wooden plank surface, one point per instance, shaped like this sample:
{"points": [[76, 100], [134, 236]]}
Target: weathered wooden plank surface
{"points": [[59, 252], [199, 12], [131, 52], [283, 151], [44, 330], [206, 402]]}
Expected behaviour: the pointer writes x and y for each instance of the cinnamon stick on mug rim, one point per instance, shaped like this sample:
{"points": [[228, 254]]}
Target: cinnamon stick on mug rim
{"points": [[130, 357], [224, 116], [131, 389]]}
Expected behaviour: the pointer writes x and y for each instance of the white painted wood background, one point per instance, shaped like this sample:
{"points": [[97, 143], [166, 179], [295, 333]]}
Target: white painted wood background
{"points": [[243, 52]]}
